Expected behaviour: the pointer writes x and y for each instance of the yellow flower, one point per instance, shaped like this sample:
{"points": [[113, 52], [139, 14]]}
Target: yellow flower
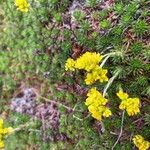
{"points": [[95, 113], [70, 64], [139, 142], [22, 5], [88, 61], [131, 105], [95, 97], [122, 105], [96, 74], [107, 112], [103, 77], [2, 145], [96, 104], [1, 123], [6, 130], [122, 95], [3, 132]]}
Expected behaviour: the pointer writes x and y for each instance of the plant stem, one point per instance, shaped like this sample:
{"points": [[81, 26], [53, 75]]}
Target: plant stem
{"points": [[58, 103], [121, 131], [113, 54], [22, 126], [110, 82], [105, 90], [104, 61], [106, 56]]}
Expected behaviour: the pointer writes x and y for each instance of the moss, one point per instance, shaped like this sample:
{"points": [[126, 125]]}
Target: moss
{"points": [[35, 45]]}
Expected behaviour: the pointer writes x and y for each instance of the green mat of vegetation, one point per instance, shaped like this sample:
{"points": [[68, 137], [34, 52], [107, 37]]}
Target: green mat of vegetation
{"points": [[41, 96]]}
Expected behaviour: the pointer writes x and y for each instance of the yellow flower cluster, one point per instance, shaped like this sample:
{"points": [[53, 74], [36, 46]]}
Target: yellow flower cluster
{"points": [[139, 142], [96, 74], [3, 132], [131, 105], [97, 104], [22, 5], [70, 64], [89, 62]]}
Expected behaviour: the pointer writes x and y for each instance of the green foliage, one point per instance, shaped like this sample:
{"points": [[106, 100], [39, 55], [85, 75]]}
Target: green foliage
{"points": [[140, 27], [92, 3], [136, 48], [147, 119], [119, 8], [36, 45], [105, 24], [78, 15]]}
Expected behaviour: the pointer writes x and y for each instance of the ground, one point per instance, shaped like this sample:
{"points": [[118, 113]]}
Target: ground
{"points": [[47, 102]]}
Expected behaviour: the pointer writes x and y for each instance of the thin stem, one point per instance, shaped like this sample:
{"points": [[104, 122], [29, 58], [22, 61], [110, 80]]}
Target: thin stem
{"points": [[77, 118], [102, 127], [76, 145], [60, 104], [106, 56], [105, 91], [121, 131], [112, 53], [110, 82], [22, 126], [104, 61], [74, 108]]}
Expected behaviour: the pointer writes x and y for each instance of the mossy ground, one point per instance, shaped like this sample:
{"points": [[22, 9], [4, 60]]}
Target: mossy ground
{"points": [[34, 47]]}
